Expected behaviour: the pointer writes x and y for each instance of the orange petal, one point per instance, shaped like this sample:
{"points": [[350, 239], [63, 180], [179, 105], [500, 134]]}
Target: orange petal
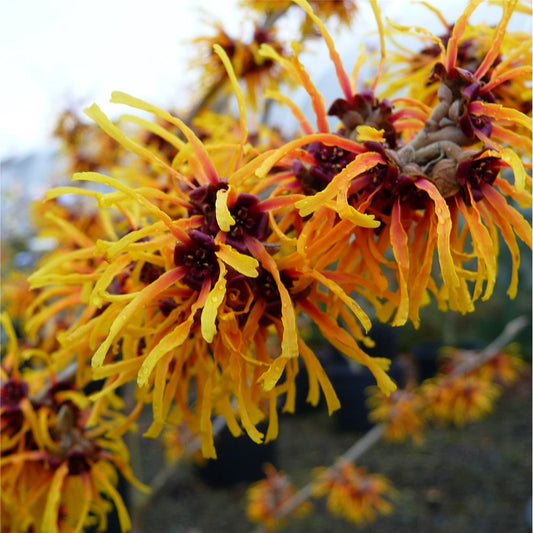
{"points": [[173, 340], [400, 249], [213, 302], [51, 511], [444, 228]]}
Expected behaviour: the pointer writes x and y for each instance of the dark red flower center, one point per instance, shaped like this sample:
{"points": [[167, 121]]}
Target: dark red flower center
{"points": [[78, 462], [476, 172], [199, 258], [249, 220], [365, 109], [246, 211], [328, 162], [12, 392]]}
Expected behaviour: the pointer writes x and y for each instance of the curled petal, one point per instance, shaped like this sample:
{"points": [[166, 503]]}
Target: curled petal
{"points": [[224, 218], [512, 159], [289, 345], [400, 248], [51, 518], [341, 181], [213, 302], [272, 375], [242, 263], [171, 341]]}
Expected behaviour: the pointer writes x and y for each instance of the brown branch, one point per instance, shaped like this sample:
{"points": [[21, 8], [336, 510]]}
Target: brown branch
{"points": [[509, 332]]}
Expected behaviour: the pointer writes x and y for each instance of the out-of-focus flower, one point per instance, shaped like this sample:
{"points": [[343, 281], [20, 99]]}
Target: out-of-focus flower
{"points": [[59, 471], [505, 367], [255, 70], [352, 493], [267, 497], [341, 10], [401, 413], [502, 368], [85, 147], [16, 294], [179, 442], [459, 399]]}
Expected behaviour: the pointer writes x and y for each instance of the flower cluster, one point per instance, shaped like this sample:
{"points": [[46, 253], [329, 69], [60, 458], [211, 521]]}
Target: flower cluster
{"points": [[59, 468], [353, 493], [341, 10], [266, 498], [460, 400], [183, 291], [463, 392], [401, 412], [187, 251], [416, 181]]}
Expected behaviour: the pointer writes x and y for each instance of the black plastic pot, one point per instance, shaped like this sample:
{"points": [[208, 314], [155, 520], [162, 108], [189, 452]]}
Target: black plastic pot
{"points": [[351, 388], [239, 460]]}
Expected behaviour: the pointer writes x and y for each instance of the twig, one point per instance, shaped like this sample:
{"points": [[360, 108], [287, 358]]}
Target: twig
{"points": [[509, 332], [363, 444]]}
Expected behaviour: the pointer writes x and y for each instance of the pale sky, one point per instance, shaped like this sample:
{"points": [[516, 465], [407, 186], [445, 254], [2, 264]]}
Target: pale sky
{"points": [[56, 53], [60, 53]]}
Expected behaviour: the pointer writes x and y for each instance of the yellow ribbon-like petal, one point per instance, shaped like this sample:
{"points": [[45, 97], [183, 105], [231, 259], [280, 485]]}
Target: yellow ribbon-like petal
{"points": [[368, 133], [245, 264], [222, 212], [512, 159], [51, 510], [272, 375], [213, 302]]}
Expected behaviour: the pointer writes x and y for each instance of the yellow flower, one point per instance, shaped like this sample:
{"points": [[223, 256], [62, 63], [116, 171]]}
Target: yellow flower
{"points": [[58, 473], [85, 147], [198, 272], [401, 412], [341, 10], [16, 294], [266, 498], [352, 493], [503, 368], [508, 76], [249, 66], [459, 399], [178, 441]]}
